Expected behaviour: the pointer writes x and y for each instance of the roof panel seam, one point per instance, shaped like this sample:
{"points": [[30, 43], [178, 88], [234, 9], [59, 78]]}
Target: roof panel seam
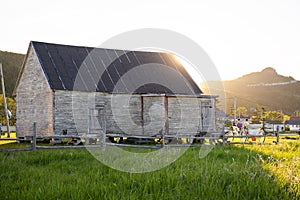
{"points": [[55, 67]]}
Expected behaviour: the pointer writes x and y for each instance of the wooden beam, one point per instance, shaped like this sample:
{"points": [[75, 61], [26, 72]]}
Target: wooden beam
{"points": [[34, 136], [166, 115], [142, 115], [166, 120]]}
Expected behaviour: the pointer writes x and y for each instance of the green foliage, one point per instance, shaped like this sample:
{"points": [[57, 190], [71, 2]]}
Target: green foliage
{"points": [[240, 111], [274, 116], [11, 105], [261, 114], [228, 172], [11, 63]]}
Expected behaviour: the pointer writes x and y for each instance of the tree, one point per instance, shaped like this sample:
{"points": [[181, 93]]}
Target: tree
{"points": [[275, 116], [260, 114], [257, 114], [242, 111], [11, 105]]}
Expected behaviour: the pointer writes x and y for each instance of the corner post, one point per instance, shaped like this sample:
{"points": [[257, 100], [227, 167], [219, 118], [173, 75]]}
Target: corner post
{"points": [[34, 137], [166, 120]]}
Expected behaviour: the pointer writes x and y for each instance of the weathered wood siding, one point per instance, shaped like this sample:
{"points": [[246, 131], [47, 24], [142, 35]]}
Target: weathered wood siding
{"points": [[63, 113], [34, 99], [188, 115], [121, 113], [154, 113], [208, 114], [184, 115], [132, 114]]}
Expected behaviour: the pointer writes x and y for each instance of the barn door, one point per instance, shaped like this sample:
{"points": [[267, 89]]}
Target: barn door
{"points": [[207, 115], [97, 120]]}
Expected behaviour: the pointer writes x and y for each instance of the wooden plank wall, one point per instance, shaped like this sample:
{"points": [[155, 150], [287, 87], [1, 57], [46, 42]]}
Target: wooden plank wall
{"points": [[34, 99], [133, 114]]}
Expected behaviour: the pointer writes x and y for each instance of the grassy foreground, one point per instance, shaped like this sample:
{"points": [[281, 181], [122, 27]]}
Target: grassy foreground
{"points": [[283, 162], [228, 172]]}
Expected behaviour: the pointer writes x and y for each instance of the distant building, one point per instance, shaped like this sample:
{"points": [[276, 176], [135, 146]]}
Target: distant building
{"points": [[293, 124], [272, 126], [54, 76]]}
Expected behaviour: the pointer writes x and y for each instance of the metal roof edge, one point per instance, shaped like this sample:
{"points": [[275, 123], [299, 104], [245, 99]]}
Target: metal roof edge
{"points": [[148, 94]]}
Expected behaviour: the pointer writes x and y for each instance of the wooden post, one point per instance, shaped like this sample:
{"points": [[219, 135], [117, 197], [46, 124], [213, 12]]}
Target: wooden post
{"points": [[4, 101], [34, 137], [166, 120], [223, 136], [166, 115], [277, 134], [102, 121], [142, 115], [234, 106]]}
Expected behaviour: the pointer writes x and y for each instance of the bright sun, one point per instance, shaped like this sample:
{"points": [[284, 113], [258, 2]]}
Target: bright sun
{"points": [[191, 69]]}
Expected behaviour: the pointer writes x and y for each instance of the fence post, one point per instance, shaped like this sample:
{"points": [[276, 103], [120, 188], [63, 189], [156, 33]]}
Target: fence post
{"points": [[223, 136], [277, 135], [34, 137]]}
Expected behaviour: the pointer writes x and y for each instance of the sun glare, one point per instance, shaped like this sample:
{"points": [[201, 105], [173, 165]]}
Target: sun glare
{"points": [[191, 69]]}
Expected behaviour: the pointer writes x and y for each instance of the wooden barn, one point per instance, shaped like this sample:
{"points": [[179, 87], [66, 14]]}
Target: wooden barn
{"points": [[81, 90]]}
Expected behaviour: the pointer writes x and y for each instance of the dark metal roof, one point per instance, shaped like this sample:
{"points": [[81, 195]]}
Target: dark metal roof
{"points": [[292, 122], [272, 121], [113, 71]]}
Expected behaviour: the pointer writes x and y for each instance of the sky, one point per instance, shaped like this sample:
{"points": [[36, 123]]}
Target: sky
{"points": [[240, 36]]}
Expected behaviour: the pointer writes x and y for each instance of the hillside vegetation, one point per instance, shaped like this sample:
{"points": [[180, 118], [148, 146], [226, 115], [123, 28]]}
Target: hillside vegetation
{"points": [[11, 63], [260, 89]]}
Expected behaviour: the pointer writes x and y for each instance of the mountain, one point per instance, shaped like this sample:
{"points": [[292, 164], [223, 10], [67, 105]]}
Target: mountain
{"points": [[265, 89], [11, 63], [266, 76]]}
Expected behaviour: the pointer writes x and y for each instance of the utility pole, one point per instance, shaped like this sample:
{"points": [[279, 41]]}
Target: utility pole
{"points": [[4, 101], [234, 106]]}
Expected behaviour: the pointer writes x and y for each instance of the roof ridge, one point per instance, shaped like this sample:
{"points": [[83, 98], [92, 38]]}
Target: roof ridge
{"points": [[82, 46]]}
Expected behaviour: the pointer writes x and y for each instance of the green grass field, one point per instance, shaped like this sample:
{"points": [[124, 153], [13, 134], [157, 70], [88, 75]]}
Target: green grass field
{"points": [[228, 172]]}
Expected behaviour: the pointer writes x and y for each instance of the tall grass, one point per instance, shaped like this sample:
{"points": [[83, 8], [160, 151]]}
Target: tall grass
{"points": [[227, 172], [283, 162]]}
